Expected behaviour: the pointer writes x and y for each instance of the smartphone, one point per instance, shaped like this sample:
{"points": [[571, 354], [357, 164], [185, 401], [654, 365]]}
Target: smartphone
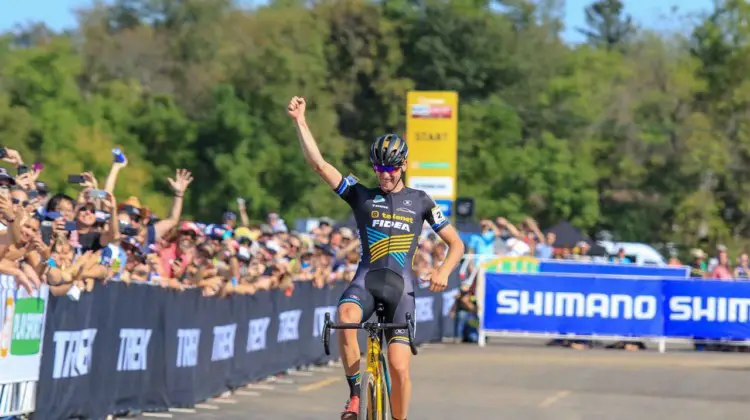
{"points": [[3, 152], [97, 194], [22, 169], [76, 179], [52, 215], [33, 194], [240, 201], [71, 226], [118, 156], [4, 192]]}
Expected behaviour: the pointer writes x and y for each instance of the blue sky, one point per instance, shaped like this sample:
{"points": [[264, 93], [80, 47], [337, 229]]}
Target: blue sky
{"points": [[58, 13]]}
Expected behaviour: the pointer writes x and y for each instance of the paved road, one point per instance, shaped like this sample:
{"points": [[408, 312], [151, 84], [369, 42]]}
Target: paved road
{"points": [[507, 381]]}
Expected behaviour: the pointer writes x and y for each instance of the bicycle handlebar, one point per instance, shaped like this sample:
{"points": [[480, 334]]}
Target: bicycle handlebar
{"points": [[370, 326]]}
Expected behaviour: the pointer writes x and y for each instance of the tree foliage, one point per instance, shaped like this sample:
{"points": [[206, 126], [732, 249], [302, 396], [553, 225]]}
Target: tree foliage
{"points": [[642, 134]]}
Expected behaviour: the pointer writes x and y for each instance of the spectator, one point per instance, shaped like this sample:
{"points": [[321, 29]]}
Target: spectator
{"points": [[723, 269], [464, 312], [620, 258], [698, 266], [742, 271], [484, 243]]}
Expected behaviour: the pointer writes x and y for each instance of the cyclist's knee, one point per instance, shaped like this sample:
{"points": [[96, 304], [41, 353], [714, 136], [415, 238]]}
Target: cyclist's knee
{"points": [[398, 358], [348, 313]]}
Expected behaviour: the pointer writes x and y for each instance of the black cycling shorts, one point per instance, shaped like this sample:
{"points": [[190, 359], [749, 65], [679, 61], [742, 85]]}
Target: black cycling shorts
{"points": [[387, 287]]}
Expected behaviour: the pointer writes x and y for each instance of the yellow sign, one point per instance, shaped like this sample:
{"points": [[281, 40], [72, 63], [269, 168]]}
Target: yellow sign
{"points": [[432, 136]]}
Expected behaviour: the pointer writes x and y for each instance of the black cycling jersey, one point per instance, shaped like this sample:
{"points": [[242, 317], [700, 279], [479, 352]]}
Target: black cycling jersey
{"points": [[389, 226]]}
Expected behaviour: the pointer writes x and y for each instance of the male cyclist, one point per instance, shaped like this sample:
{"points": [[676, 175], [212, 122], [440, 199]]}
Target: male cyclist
{"points": [[389, 219]]}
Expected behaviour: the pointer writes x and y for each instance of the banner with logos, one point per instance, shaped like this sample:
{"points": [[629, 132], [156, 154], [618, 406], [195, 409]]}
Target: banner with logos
{"points": [[531, 265], [21, 331], [664, 307], [432, 136], [140, 347]]}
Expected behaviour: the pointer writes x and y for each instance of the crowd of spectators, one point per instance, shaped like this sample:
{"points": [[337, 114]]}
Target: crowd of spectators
{"points": [[76, 243]]}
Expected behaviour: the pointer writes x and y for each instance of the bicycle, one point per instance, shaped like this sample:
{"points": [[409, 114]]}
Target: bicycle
{"points": [[375, 394]]}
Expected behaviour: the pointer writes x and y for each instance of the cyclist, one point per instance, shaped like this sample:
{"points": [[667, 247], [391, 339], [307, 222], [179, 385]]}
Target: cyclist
{"points": [[389, 219]]}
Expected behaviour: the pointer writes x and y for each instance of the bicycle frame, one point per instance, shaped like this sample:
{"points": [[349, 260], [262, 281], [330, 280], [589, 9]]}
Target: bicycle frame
{"points": [[375, 366]]}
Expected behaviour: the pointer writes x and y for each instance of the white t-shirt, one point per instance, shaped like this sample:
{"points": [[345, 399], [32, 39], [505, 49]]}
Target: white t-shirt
{"points": [[516, 248]]}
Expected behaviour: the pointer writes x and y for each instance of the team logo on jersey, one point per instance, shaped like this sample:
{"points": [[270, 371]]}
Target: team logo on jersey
{"points": [[391, 224], [378, 199], [407, 202], [405, 210]]}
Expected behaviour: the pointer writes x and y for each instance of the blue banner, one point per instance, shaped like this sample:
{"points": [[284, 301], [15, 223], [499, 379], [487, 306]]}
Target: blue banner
{"points": [[663, 307], [709, 309], [612, 269]]}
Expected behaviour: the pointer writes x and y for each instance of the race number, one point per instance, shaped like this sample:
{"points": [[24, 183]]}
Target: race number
{"points": [[437, 215]]}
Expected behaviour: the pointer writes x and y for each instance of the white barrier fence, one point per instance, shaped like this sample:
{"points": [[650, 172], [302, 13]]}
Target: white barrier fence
{"points": [[21, 337]]}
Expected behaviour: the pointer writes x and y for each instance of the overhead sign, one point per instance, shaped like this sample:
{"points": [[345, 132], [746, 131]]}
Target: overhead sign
{"points": [[432, 135]]}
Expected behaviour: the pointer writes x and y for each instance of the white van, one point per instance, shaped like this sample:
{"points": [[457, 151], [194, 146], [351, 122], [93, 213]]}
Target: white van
{"points": [[639, 253]]}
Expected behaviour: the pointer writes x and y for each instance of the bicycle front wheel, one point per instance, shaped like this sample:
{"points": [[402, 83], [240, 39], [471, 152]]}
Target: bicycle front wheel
{"points": [[385, 393], [368, 399]]}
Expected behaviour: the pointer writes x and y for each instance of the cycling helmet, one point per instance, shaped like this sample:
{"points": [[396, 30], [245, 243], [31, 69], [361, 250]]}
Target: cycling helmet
{"points": [[389, 150]]}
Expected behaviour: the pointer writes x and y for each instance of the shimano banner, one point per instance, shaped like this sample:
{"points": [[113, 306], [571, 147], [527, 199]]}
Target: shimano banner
{"points": [[145, 348], [572, 305], [707, 309]]}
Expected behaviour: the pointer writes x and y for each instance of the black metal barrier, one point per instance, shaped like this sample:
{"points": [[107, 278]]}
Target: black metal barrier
{"points": [[145, 348]]}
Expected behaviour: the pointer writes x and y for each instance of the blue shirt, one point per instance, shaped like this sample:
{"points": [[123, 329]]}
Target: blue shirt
{"points": [[483, 244]]}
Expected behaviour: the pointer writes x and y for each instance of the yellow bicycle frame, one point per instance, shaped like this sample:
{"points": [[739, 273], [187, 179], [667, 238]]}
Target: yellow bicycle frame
{"points": [[373, 366]]}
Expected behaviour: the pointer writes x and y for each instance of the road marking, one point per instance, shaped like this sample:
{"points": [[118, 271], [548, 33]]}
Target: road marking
{"points": [[224, 401], [319, 384], [554, 398], [319, 369], [299, 373], [260, 386], [248, 393], [182, 410], [286, 381], [207, 406], [161, 415]]}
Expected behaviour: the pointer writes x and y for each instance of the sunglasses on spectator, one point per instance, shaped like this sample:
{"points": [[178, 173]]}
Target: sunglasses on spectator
{"points": [[385, 168], [17, 201]]}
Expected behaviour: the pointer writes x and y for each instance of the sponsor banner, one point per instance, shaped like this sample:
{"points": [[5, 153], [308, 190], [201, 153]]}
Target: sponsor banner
{"points": [[533, 265], [435, 186], [707, 309], [432, 135], [612, 269], [21, 331], [125, 347], [584, 306]]}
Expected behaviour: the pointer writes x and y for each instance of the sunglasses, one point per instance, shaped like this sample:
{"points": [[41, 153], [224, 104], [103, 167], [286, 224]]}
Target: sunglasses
{"points": [[386, 168], [17, 201]]}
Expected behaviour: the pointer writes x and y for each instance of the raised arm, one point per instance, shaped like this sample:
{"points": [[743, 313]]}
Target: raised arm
{"points": [[330, 175]]}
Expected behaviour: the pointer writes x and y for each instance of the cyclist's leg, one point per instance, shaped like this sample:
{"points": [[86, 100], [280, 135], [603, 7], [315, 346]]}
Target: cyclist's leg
{"points": [[399, 358], [355, 305], [397, 294]]}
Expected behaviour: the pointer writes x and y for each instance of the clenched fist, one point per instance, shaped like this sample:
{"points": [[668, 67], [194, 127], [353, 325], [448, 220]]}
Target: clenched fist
{"points": [[296, 108]]}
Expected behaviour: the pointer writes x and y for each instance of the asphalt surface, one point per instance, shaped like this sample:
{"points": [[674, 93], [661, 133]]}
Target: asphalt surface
{"points": [[529, 381]]}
